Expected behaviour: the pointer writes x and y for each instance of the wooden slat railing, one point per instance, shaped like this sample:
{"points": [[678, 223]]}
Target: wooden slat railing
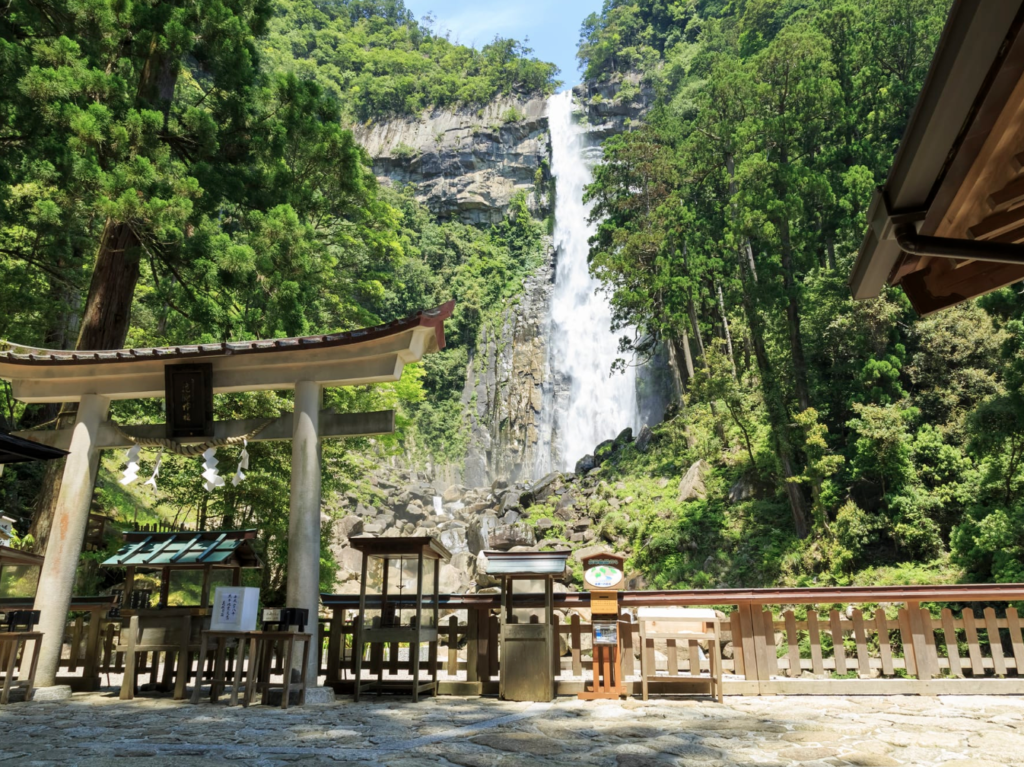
{"points": [[851, 646]]}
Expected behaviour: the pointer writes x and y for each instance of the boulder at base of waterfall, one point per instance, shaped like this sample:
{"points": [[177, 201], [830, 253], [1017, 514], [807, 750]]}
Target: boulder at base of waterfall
{"points": [[454, 539], [453, 493], [545, 486], [604, 451], [691, 486], [455, 580], [625, 436], [479, 533], [588, 551], [505, 537], [643, 439], [510, 500], [510, 518], [346, 526], [585, 464]]}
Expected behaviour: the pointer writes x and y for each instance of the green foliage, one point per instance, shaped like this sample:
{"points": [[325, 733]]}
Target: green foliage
{"points": [[512, 115], [376, 60]]}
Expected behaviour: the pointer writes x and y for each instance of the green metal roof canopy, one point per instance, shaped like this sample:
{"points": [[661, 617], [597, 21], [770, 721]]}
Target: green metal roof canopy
{"points": [[215, 548]]}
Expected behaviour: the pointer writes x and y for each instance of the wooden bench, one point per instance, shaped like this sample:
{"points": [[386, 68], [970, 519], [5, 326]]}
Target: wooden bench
{"points": [[261, 644], [10, 643], [681, 625], [222, 640]]}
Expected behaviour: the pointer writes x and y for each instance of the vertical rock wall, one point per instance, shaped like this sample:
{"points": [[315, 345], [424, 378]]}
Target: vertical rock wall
{"points": [[505, 383]]}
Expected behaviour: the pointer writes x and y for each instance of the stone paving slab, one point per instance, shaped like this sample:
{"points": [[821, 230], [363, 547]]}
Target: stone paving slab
{"points": [[796, 731]]}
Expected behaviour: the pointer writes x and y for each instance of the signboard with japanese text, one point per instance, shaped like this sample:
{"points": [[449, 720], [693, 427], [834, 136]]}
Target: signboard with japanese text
{"points": [[189, 391], [234, 609]]}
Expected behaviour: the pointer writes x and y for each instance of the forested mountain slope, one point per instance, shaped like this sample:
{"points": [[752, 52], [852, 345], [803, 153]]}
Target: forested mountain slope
{"points": [[839, 437], [185, 172]]}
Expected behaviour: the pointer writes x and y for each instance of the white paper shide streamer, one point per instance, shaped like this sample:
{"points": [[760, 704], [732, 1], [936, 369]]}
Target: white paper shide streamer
{"points": [[156, 469], [210, 473], [131, 473], [243, 463]]}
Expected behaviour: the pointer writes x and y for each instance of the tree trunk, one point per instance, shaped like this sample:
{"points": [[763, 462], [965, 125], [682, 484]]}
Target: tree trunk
{"points": [[796, 343], [778, 418], [830, 250], [104, 326], [728, 334]]}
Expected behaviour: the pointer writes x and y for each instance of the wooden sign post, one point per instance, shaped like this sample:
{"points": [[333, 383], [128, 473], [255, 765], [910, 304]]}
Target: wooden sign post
{"points": [[603, 578]]}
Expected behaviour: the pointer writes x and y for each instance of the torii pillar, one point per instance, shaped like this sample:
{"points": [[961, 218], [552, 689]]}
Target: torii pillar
{"points": [[64, 546], [304, 517]]}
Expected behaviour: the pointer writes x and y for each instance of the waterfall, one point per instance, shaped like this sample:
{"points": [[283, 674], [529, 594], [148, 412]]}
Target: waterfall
{"points": [[586, 403]]}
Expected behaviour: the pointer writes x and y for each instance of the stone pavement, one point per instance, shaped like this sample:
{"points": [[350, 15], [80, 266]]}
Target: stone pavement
{"points": [[98, 729]]}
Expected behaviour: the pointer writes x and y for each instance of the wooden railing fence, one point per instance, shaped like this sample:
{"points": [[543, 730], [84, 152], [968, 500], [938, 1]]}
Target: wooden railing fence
{"points": [[770, 647]]}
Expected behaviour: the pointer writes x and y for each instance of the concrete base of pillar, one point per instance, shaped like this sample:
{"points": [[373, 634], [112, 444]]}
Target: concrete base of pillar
{"points": [[51, 694], [315, 696]]}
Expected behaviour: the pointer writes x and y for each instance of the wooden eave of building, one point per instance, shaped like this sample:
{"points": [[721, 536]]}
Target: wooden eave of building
{"points": [[17, 450], [948, 225], [14, 557], [408, 547], [356, 357]]}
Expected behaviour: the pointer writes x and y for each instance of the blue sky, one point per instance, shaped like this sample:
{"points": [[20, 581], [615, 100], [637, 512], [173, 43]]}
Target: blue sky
{"points": [[553, 26]]}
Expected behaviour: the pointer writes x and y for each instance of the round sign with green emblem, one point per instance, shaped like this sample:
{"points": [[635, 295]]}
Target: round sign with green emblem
{"points": [[603, 576]]}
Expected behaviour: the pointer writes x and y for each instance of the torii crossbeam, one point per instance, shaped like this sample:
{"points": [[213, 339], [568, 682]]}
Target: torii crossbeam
{"points": [[94, 378]]}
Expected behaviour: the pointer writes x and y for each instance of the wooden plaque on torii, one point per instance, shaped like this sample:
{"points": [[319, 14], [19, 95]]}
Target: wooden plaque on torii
{"points": [[604, 578]]}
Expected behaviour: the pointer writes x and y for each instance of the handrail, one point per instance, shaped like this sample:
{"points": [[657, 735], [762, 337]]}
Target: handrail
{"points": [[787, 596], [77, 603]]}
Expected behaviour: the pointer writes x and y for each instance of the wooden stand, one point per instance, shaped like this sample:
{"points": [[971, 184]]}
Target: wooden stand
{"points": [[526, 672], [388, 629], [260, 654], [603, 578], [690, 625], [218, 682], [10, 643]]}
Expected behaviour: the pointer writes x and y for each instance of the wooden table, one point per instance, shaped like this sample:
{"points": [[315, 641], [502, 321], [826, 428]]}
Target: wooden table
{"points": [[218, 682], [10, 643], [260, 654]]}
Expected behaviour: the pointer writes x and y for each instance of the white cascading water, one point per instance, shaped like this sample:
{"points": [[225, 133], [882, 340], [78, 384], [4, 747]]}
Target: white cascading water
{"points": [[582, 347]]}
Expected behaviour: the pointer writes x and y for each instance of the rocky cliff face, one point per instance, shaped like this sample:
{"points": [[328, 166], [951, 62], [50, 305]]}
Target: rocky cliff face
{"points": [[615, 105], [465, 163], [505, 384]]}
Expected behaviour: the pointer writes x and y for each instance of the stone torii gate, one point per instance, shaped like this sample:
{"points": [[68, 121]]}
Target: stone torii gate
{"points": [[94, 379]]}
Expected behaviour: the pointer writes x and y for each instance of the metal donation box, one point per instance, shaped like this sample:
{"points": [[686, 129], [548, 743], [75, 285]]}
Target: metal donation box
{"points": [[526, 672], [603, 578]]}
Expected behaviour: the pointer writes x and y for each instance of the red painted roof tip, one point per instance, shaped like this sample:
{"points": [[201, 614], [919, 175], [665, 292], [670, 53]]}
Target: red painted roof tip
{"points": [[426, 318]]}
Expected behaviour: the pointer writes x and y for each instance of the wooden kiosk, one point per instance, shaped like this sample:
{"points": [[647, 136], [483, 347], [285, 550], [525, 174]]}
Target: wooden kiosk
{"points": [[387, 628], [175, 630], [603, 578], [526, 671]]}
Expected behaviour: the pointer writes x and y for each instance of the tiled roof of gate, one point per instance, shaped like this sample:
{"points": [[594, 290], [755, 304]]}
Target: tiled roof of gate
{"points": [[429, 318]]}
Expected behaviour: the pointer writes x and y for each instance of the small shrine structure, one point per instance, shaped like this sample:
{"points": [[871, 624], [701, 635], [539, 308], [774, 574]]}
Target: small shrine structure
{"points": [[387, 629], [188, 377], [175, 630], [527, 672]]}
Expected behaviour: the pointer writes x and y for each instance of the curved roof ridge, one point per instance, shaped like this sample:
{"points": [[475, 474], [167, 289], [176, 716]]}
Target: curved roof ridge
{"points": [[430, 318]]}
